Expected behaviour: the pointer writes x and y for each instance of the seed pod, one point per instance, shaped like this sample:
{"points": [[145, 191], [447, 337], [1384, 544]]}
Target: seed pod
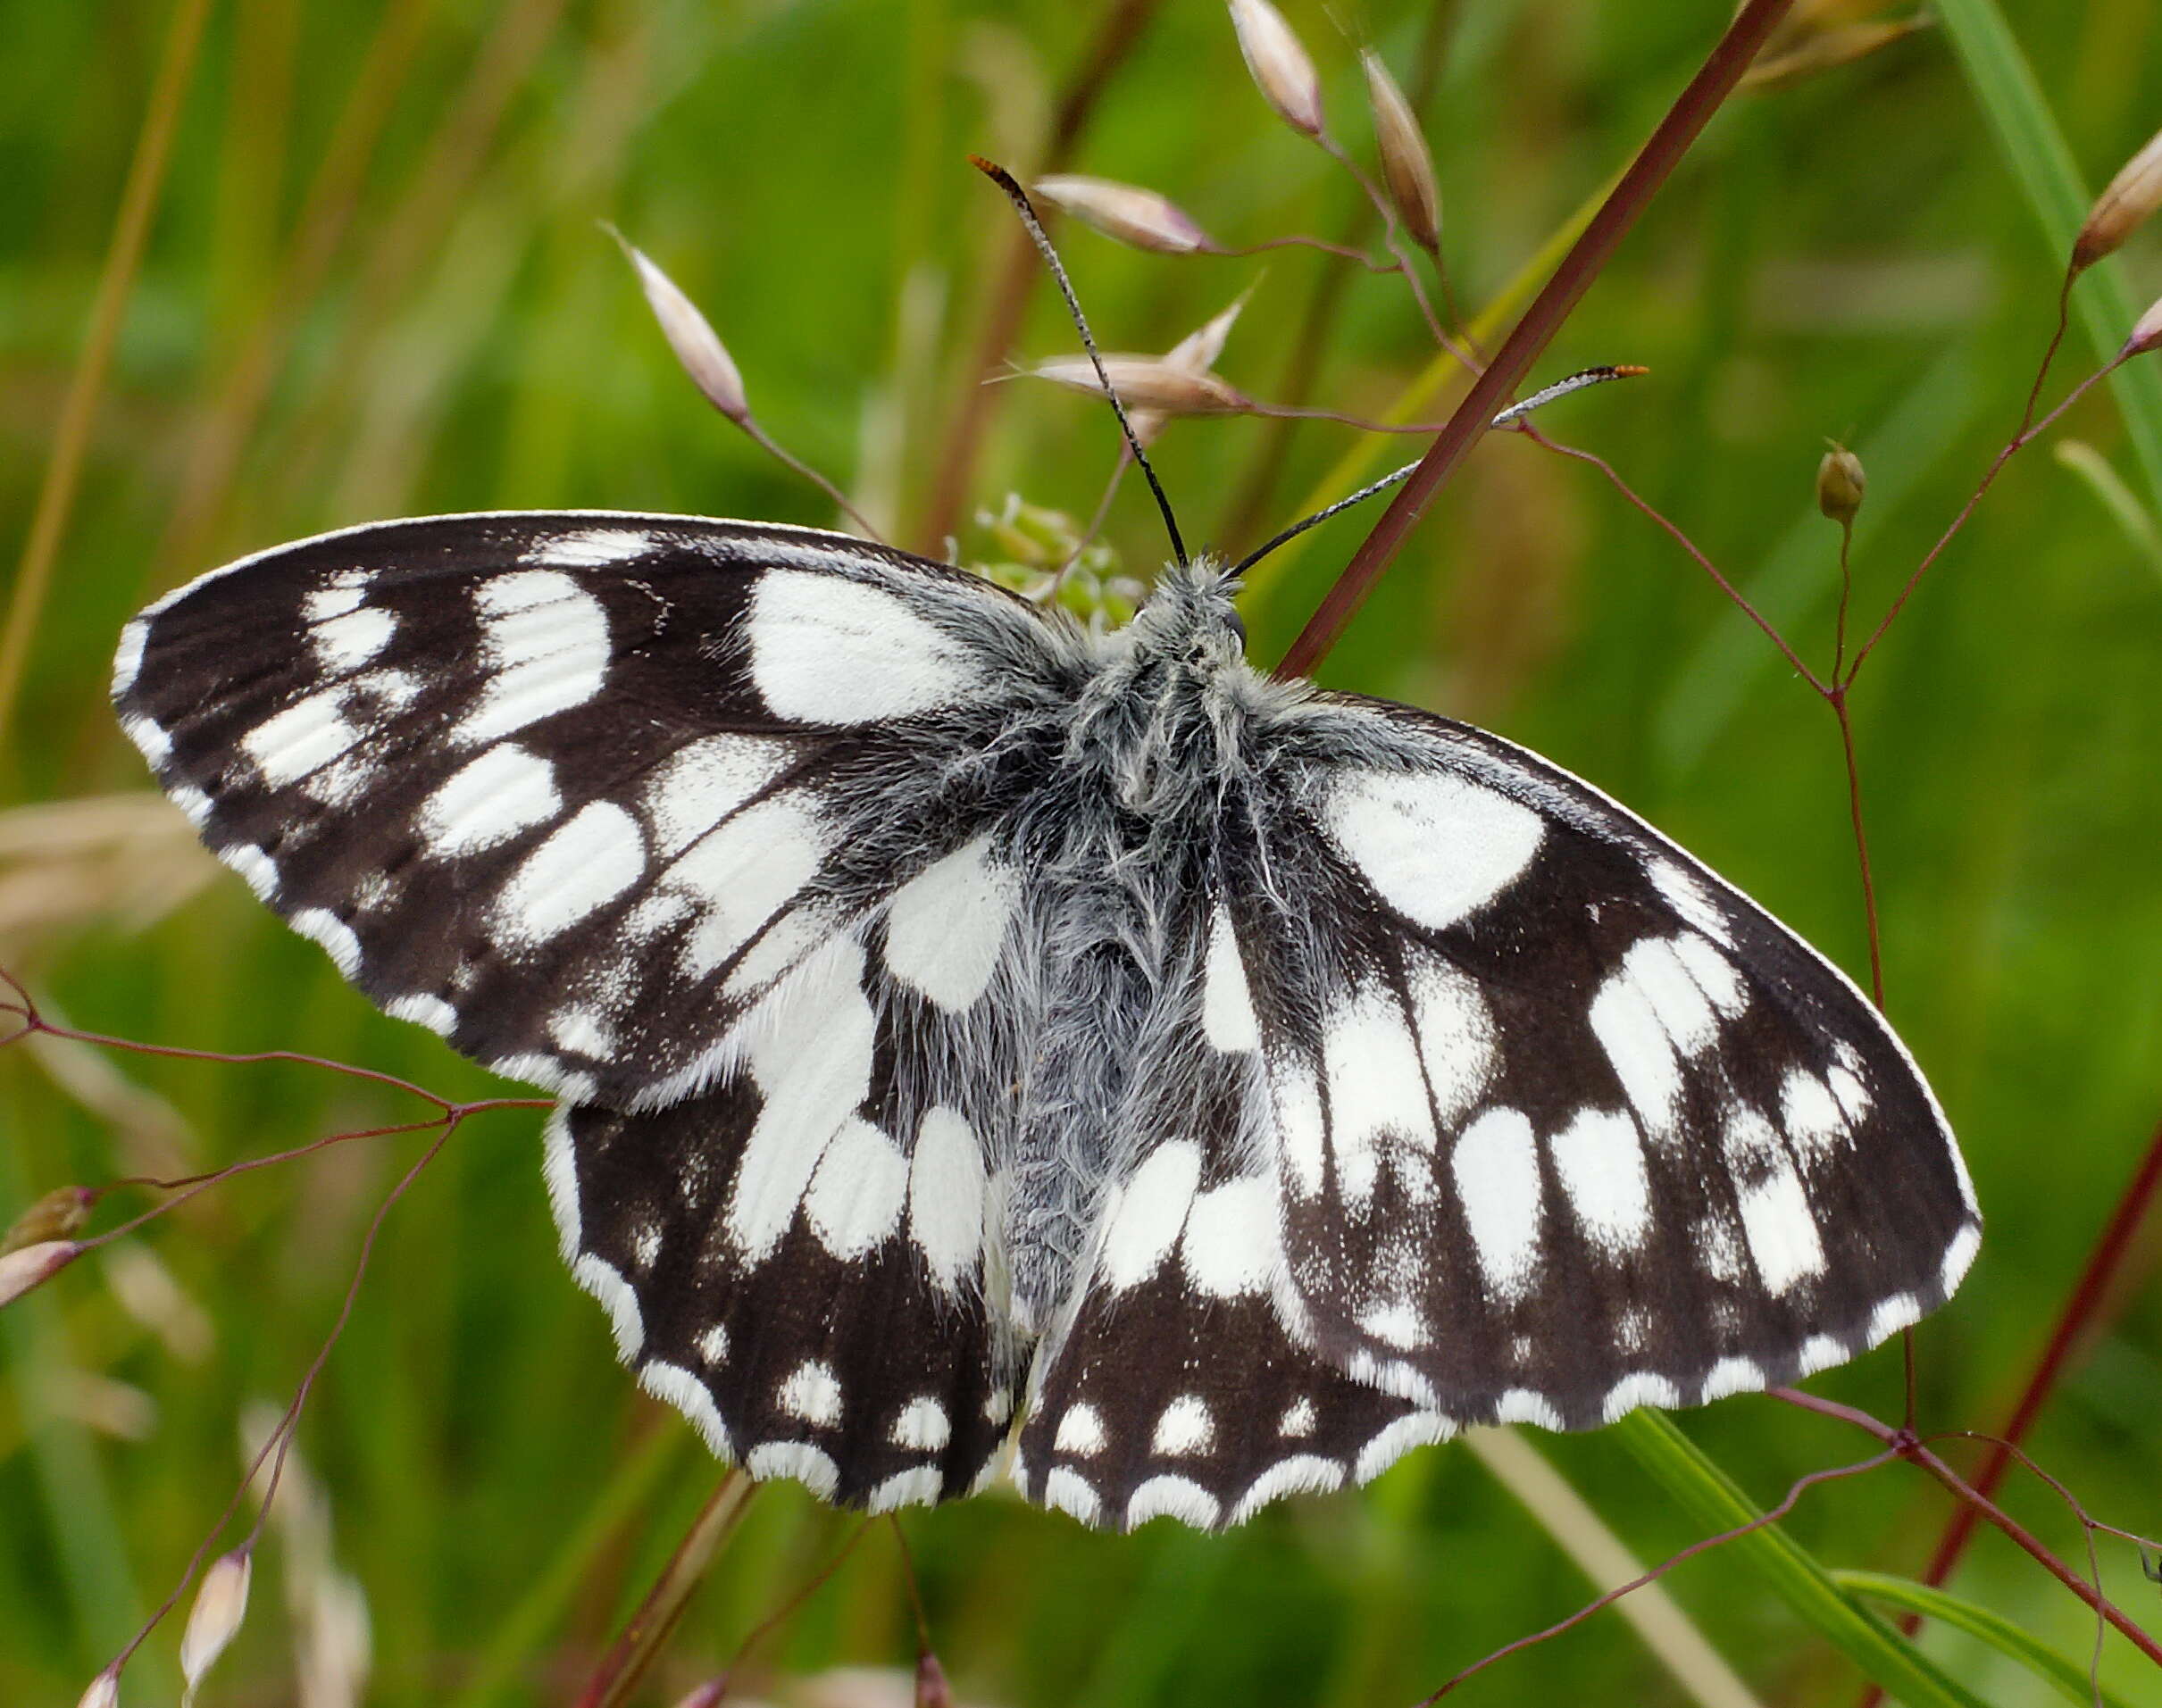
{"points": [[2132, 195], [31, 1265], [104, 1691], [707, 1695], [1823, 47], [697, 346], [1127, 213], [55, 1216], [1280, 69], [221, 1605], [1408, 165], [1839, 485], [1147, 382], [1195, 353]]}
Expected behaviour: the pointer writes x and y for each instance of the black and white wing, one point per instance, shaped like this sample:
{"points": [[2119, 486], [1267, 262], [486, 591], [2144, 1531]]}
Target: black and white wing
{"points": [[1564, 1124], [692, 822]]}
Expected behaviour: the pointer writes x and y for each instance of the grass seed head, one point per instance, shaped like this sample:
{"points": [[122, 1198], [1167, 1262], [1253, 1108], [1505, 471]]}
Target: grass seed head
{"points": [[221, 1605], [1840, 483], [57, 1216], [1127, 213], [2134, 194], [104, 1691], [697, 346], [33, 1265], [2146, 332], [1147, 382], [932, 1691], [1281, 68], [707, 1695], [1408, 165]]}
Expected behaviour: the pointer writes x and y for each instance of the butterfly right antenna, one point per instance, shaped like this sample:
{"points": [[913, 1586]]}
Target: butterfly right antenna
{"points": [[999, 176]]}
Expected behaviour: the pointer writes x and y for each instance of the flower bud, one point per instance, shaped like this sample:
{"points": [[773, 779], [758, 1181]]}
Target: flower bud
{"points": [[1147, 382], [2146, 332], [55, 1216], [697, 346], [104, 1691], [1839, 485], [1127, 213], [32, 1265], [2132, 195], [1813, 47], [1195, 353], [707, 1695], [1280, 69], [221, 1605], [1407, 165]]}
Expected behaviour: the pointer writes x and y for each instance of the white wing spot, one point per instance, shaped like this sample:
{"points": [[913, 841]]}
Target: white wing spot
{"points": [[305, 736], [1232, 1245], [1731, 1376], [920, 1486], [1522, 1405], [1173, 1497], [645, 1244], [1601, 1164], [826, 650], [1413, 1429], [546, 641], [490, 800], [1639, 1389], [128, 660], [1377, 1093], [1227, 1007], [1298, 1122], [1396, 1322], [1143, 1220], [1640, 1049], [947, 924], [1298, 1419], [946, 1192], [1809, 1114], [703, 782], [1080, 1432], [1456, 1034], [684, 1391], [591, 549], [1184, 1428], [1691, 902], [713, 1345], [257, 869], [600, 1278], [423, 1010], [921, 1426], [582, 1031], [1496, 1168], [1781, 1230], [1901, 1311], [811, 1392], [587, 861], [1436, 847], [344, 644], [860, 1190], [1957, 1255], [743, 874], [319, 925], [1304, 1474], [808, 1465], [1067, 1491]]}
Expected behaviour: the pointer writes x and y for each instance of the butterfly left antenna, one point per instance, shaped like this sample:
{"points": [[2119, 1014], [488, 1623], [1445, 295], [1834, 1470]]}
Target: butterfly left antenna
{"points": [[999, 176]]}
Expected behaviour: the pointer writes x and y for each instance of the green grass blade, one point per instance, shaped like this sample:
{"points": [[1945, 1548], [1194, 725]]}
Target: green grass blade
{"points": [[2119, 500], [2041, 158], [2069, 1679], [1711, 1499]]}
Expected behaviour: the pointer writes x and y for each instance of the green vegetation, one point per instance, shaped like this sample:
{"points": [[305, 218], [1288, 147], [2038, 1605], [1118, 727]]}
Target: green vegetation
{"points": [[371, 284]]}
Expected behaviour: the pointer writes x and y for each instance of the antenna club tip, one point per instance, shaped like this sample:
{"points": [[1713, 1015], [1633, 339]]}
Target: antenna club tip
{"points": [[1630, 370]]}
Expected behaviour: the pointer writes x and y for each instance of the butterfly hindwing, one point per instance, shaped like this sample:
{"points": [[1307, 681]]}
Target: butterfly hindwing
{"points": [[574, 789], [1566, 1124], [797, 1258]]}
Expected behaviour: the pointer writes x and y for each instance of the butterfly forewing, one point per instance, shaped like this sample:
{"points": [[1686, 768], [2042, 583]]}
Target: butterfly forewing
{"points": [[574, 790], [1566, 1124]]}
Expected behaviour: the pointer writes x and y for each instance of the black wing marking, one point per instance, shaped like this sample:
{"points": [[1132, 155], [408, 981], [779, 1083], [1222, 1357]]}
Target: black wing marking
{"points": [[574, 789], [1566, 1124]]}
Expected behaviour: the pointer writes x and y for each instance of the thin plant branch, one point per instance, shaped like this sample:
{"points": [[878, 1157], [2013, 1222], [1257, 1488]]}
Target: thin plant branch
{"points": [[1684, 121]]}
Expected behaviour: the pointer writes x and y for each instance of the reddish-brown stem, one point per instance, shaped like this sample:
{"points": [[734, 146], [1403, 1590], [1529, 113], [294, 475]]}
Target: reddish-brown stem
{"points": [[1017, 271], [1837, 698], [787, 459], [1659, 520], [1685, 119], [2029, 431], [635, 1646], [2079, 1312], [281, 1437], [802, 1592], [1299, 240], [1772, 1516], [1905, 1445]]}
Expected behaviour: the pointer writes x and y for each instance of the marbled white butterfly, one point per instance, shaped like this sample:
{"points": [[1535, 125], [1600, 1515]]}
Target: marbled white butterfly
{"points": [[972, 1028]]}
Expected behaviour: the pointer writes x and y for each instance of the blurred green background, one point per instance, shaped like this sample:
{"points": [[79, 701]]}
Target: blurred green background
{"points": [[373, 286]]}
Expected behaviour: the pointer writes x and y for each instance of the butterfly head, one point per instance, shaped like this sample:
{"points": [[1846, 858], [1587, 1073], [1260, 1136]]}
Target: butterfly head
{"points": [[1190, 620]]}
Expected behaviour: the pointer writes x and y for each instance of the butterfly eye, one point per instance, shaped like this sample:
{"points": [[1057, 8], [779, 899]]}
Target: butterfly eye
{"points": [[1238, 627]]}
